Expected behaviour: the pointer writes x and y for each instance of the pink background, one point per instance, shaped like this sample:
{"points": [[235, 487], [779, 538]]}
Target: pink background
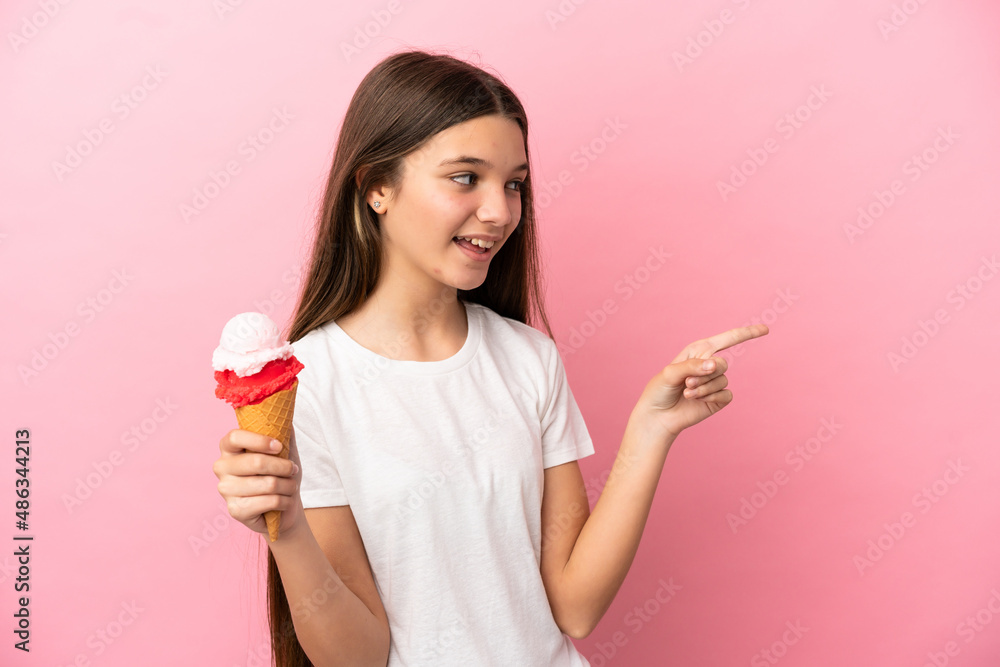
{"points": [[843, 545]]}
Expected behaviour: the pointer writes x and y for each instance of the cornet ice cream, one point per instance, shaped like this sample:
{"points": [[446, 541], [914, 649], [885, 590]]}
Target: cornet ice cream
{"points": [[255, 372]]}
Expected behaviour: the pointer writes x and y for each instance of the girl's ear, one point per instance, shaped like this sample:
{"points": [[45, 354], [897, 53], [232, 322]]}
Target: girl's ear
{"points": [[377, 192]]}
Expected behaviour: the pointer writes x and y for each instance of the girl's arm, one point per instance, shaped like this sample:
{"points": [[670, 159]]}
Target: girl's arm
{"points": [[333, 625], [582, 579], [587, 564], [336, 624]]}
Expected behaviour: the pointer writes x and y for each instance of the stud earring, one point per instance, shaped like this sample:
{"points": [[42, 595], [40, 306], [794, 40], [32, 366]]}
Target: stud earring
{"points": [[377, 204]]}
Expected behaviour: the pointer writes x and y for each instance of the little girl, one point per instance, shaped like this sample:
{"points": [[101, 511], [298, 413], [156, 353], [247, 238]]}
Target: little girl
{"points": [[433, 509]]}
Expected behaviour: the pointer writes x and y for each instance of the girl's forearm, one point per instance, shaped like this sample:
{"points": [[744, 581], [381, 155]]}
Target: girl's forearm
{"points": [[609, 539], [332, 624]]}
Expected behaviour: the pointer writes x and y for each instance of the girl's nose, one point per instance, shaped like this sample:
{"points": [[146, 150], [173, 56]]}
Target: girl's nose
{"points": [[496, 206]]}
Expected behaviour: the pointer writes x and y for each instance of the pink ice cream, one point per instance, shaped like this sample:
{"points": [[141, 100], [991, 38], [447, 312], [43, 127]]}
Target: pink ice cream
{"points": [[252, 361]]}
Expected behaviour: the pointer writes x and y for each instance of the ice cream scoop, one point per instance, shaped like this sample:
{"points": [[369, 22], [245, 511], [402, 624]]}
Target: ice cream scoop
{"points": [[249, 341], [275, 376]]}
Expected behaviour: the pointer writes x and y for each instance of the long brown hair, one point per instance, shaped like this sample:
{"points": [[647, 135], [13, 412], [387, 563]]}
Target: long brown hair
{"points": [[404, 101]]}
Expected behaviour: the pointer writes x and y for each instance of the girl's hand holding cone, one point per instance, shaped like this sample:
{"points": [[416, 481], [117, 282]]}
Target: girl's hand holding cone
{"points": [[253, 481]]}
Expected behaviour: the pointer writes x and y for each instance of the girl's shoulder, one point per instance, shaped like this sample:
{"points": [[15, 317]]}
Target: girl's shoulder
{"points": [[314, 348], [513, 334], [313, 340]]}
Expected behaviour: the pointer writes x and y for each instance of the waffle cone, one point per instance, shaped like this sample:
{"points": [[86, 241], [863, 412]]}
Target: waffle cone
{"points": [[271, 417]]}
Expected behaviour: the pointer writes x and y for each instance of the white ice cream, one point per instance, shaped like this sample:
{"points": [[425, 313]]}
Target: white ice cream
{"points": [[249, 341]]}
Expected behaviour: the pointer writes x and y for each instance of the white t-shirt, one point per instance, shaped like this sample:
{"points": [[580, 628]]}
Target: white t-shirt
{"points": [[441, 463]]}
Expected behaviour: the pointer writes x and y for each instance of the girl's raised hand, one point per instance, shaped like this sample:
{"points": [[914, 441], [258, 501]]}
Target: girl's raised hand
{"points": [[254, 481], [686, 392]]}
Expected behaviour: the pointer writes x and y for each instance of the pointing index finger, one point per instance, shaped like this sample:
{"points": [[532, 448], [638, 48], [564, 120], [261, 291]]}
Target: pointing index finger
{"points": [[735, 337]]}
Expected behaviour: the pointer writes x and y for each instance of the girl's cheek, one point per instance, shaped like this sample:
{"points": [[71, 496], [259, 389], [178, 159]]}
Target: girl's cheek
{"points": [[444, 201]]}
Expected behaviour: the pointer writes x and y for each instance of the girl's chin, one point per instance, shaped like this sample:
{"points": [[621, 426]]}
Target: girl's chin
{"points": [[464, 281]]}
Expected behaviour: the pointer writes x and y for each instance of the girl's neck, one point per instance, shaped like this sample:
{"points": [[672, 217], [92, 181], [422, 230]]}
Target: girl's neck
{"points": [[407, 329]]}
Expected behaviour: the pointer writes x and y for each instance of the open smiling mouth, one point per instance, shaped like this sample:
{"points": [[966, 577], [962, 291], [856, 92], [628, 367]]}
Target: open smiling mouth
{"points": [[473, 249]]}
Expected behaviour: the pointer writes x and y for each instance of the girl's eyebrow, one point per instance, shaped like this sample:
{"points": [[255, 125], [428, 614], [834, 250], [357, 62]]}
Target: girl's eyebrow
{"points": [[477, 162]]}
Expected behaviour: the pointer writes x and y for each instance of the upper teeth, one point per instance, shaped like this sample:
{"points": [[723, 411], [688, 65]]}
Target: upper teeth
{"points": [[478, 242]]}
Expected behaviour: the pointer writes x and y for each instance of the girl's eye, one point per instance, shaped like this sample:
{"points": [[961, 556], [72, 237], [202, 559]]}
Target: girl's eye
{"points": [[516, 188]]}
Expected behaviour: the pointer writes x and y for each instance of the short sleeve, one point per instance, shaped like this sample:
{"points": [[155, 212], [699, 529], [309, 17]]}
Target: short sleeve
{"points": [[564, 433], [321, 485]]}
